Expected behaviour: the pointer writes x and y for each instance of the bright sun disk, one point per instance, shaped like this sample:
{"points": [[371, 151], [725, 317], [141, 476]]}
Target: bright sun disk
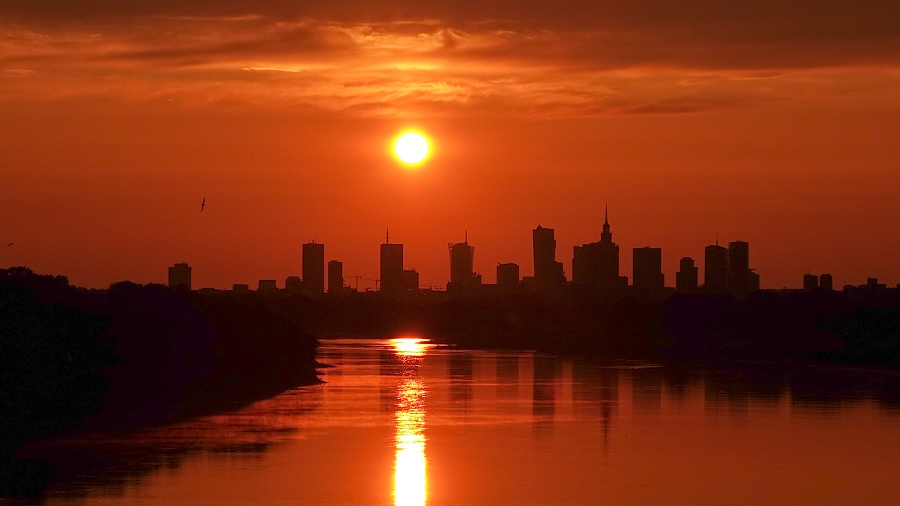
{"points": [[411, 148]]}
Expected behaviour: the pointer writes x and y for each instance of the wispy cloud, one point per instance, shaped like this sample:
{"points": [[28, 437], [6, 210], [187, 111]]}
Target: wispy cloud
{"points": [[426, 67]]}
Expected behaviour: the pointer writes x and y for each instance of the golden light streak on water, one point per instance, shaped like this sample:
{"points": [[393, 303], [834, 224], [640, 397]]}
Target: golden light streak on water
{"points": [[410, 478]]}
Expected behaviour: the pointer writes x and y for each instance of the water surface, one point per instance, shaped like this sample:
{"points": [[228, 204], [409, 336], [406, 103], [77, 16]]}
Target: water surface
{"points": [[407, 424]]}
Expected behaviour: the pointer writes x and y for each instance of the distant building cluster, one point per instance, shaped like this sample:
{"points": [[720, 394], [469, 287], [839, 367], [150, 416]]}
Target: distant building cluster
{"points": [[595, 269]]}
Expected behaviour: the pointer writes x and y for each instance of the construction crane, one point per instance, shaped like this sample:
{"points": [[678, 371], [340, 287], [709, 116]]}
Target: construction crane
{"points": [[357, 278], [376, 280]]}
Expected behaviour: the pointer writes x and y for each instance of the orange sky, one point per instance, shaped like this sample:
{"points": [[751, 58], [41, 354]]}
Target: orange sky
{"points": [[771, 123]]}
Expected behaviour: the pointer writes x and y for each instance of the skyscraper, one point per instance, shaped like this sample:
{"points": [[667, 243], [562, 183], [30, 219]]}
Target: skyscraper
{"points": [[314, 268], [180, 277], [740, 278], [391, 272], [686, 278], [826, 282], [647, 269], [335, 276], [462, 261], [597, 263], [715, 269], [548, 273], [394, 279]]}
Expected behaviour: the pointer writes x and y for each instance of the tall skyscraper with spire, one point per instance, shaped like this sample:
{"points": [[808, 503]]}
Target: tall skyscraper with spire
{"points": [[597, 264]]}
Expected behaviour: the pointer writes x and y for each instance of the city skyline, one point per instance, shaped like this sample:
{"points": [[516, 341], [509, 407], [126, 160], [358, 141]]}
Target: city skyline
{"points": [[721, 269], [690, 121]]}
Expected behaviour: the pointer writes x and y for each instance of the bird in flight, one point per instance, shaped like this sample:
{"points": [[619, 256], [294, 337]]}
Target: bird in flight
{"points": [[203, 204], [10, 244]]}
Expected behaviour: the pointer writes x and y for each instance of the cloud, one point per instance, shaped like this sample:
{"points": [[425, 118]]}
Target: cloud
{"points": [[423, 59]]}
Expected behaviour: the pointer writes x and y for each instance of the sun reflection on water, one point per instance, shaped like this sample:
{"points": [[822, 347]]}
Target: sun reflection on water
{"points": [[409, 466]]}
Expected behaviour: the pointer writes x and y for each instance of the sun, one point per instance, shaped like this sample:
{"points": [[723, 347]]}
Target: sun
{"points": [[411, 148]]}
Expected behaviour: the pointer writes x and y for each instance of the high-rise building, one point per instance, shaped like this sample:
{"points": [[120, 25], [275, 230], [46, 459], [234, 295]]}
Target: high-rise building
{"points": [[548, 273], [826, 282], [597, 263], [508, 275], [335, 276], [391, 272], [180, 277], [810, 281], [462, 260], [715, 269], [647, 269], [293, 284], [686, 279], [314, 268], [240, 287], [739, 273]]}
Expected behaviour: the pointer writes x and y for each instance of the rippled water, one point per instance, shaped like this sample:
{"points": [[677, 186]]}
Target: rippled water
{"points": [[403, 423]]}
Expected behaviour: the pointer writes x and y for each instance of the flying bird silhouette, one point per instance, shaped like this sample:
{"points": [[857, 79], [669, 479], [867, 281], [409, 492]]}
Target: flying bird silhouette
{"points": [[10, 244], [203, 204]]}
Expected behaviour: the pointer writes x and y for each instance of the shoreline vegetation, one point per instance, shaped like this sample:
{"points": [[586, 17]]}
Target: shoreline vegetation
{"points": [[75, 360]]}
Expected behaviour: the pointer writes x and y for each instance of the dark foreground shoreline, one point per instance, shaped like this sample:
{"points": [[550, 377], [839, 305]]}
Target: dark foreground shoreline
{"points": [[76, 361]]}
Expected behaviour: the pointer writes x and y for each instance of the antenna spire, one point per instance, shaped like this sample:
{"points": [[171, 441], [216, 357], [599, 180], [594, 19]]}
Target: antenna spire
{"points": [[606, 222], [387, 236]]}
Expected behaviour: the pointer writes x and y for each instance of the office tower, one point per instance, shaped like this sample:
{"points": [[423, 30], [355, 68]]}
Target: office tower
{"points": [[293, 284], [597, 263], [180, 277], [686, 279], [715, 269], [391, 272], [462, 259], [810, 281], [335, 276], [739, 278], [314, 268], [548, 273], [241, 288], [267, 286], [508, 275], [647, 269], [826, 282]]}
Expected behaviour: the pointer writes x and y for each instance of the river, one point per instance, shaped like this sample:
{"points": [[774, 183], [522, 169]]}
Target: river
{"points": [[405, 423]]}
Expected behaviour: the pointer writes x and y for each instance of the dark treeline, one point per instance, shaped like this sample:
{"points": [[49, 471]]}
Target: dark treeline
{"points": [[129, 357], [861, 328]]}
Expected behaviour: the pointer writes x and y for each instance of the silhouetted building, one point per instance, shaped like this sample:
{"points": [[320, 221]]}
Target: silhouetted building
{"points": [[180, 277], [391, 272], [647, 269], [740, 279], [508, 275], [267, 286], [410, 280], [395, 280], [810, 281], [241, 288], [715, 269], [335, 276], [548, 273], [462, 260], [597, 263], [687, 277], [826, 282], [293, 284], [314, 268]]}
